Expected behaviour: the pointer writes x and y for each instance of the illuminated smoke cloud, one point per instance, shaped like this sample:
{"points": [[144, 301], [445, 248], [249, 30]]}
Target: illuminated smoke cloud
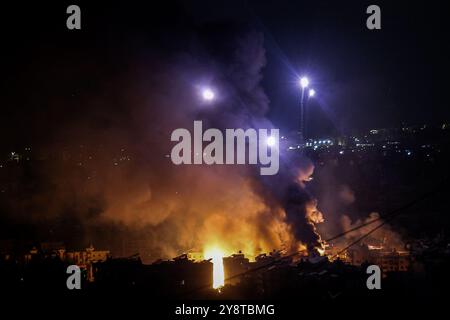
{"points": [[107, 178], [384, 236]]}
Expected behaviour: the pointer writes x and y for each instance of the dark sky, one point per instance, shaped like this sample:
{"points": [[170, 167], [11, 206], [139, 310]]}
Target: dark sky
{"points": [[121, 84], [364, 78]]}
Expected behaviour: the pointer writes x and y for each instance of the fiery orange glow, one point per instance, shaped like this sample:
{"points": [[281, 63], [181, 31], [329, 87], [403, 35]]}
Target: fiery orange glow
{"points": [[321, 251], [216, 254]]}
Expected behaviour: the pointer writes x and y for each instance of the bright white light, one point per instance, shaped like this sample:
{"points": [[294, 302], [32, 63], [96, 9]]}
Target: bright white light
{"points": [[312, 92], [208, 94], [216, 256], [271, 141], [304, 82]]}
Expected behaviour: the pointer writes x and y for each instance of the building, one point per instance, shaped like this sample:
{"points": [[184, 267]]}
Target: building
{"points": [[388, 260], [86, 259]]}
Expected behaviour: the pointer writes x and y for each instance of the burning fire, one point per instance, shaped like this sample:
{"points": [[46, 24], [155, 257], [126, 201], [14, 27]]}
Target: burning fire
{"points": [[216, 254], [321, 251]]}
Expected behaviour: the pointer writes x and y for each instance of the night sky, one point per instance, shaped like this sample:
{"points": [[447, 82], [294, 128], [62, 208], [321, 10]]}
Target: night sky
{"points": [[88, 120], [96, 107], [364, 79]]}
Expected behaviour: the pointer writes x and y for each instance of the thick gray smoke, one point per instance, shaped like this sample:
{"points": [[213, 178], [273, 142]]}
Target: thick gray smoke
{"points": [[104, 176], [289, 191]]}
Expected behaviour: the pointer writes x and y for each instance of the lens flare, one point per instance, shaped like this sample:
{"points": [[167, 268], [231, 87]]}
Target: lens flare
{"points": [[304, 82], [216, 256], [271, 141], [208, 94]]}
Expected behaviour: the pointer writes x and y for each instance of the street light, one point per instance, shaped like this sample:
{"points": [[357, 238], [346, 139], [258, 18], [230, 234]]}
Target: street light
{"points": [[208, 94], [304, 82], [312, 92]]}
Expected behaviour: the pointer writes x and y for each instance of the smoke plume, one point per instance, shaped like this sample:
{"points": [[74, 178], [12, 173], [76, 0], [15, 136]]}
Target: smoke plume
{"points": [[102, 174]]}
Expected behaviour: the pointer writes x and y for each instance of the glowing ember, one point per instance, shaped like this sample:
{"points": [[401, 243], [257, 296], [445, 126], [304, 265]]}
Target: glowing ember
{"points": [[321, 251], [218, 273]]}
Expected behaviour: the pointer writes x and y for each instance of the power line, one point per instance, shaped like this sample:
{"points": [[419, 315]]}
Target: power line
{"points": [[386, 217], [361, 238]]}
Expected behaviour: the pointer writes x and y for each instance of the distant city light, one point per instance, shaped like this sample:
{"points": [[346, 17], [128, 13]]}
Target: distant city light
{"points": [[312, 92], [304, 82]]}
